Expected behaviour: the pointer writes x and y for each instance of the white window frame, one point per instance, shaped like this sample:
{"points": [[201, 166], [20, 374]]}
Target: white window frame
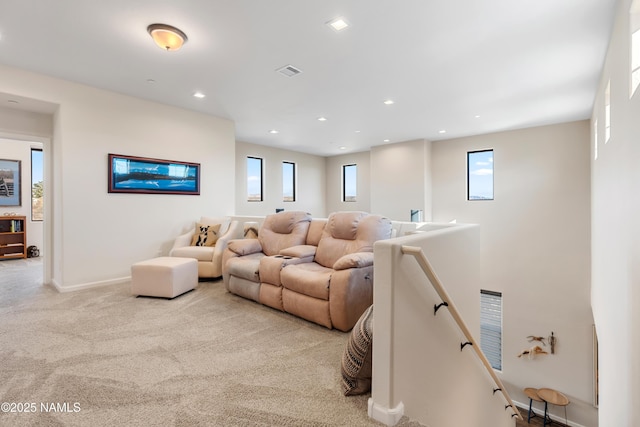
{"points": [[260, 177], [634, 47], [294, 172], [607, 112]]}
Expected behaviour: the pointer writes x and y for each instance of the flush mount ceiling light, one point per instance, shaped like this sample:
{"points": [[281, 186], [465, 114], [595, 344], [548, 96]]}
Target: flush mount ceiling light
{"points": [[166, 36], [338, 24]]}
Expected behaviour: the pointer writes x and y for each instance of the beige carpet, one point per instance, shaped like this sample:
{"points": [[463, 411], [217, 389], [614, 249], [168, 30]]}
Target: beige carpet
{"points": [[208, 358]]}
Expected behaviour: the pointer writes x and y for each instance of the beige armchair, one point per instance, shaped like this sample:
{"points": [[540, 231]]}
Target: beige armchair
{"points": [[219, 232]]}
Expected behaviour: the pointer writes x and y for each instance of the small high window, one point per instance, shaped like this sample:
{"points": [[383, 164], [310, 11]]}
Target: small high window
{"points": [[607, 112], [480, 175], [349, 179], [288, 182], [491, 327], [635, 45], [254, 179], [37, 185], [595, 139]]}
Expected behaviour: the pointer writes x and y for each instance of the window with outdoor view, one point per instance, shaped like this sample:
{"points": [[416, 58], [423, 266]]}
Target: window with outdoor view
{"points": [[349, 187], [480, 175], [37, 185], [254, 179], [288, 182]]}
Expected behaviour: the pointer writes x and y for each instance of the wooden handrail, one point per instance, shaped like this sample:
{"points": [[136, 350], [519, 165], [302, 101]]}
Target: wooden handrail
{"points": [[442, 292]]}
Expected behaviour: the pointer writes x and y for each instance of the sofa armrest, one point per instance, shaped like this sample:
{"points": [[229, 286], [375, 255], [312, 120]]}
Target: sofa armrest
{"points": [[300, 251], [183, 240], [243, 247], [221, 244], [354, 260]]}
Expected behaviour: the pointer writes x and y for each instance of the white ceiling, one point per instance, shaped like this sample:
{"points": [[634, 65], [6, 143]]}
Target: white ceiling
{"points": [[513, 63]]}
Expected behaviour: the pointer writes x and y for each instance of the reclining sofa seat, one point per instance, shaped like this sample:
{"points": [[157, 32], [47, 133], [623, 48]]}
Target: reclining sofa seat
{"points": [[337, 286], [242, 258]]}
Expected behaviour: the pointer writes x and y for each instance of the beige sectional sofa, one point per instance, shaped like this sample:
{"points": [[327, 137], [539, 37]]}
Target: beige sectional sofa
{"points": [[317, 269]]}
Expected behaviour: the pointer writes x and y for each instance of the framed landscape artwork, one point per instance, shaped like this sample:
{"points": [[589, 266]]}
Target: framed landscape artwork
{"points": [[130, 174], [10, 183]]}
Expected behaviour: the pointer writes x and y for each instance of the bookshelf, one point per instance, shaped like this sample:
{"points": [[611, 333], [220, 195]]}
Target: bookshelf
{"points": [[13, 237]]}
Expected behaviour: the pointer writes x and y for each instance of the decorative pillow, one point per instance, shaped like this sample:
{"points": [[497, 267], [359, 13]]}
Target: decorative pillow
{"points": [[356, 360], [205, 235]]}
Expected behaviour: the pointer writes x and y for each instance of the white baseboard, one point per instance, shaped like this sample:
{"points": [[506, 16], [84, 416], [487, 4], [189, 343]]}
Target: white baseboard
{"points": [[89, 285], [387, 416], [524, 410]]}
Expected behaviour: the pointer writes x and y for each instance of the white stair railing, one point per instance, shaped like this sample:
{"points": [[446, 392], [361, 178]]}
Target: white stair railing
{"points": [[446, 301]]}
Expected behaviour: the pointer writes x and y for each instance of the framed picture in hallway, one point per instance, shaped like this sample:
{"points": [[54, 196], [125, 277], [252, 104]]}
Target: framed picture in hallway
{"points": [[130, 174], [10, 183]]}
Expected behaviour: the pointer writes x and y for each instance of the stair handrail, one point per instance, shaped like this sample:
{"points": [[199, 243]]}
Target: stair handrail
{"points": [[419, 255]]}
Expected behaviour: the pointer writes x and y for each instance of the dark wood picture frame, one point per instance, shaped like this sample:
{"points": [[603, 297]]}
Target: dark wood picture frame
{"points": [[143, 175], [10, 182]]}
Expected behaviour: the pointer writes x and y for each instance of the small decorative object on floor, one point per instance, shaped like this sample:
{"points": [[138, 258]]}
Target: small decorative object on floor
{"points": [[552, 343], [532, 352], [33, 252]]}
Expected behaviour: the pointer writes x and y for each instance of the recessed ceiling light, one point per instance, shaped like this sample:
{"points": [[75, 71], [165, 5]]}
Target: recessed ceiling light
{"points": [[151, 81], [199, 95], [388, 102], [357, 131], [442, 131], [12, 101], [322, 119], [343, 148], [385, 140], [338, 24], [477, 116], [273, 131]]}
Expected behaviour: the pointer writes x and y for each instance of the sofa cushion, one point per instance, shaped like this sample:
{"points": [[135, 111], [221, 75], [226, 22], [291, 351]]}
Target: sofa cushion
{"points": [[356, 359], [246, 267], [201, 253], [283, 230], [315, 231], [205, 235], [307, 279], [349, 232]]}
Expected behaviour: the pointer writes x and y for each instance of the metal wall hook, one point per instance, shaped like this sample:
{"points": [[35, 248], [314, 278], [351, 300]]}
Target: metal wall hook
{"points": [[437, 307]]}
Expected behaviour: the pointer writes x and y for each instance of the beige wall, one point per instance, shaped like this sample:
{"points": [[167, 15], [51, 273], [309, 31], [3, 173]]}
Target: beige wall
{"points": [[401, 179], [97, 235], [615, 228], [535, 241], [363, 182], [310, 181]]}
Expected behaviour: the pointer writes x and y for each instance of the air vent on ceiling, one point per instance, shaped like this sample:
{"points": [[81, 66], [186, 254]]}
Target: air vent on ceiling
{"points": [[289, 71]]}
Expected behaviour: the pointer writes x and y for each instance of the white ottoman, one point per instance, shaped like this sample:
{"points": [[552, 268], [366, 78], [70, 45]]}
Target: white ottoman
{"points": [[165, 277]]}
